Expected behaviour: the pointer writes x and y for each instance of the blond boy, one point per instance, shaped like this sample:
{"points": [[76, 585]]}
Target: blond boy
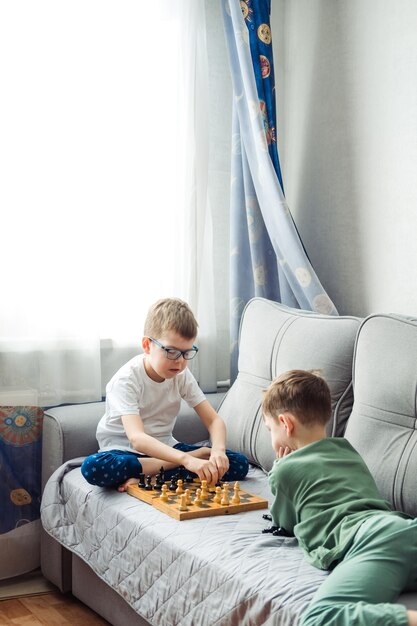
{"points": [[142, 402], [326, 497]]}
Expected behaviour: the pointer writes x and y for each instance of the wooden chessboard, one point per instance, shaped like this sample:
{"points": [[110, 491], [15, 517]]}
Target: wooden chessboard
{"points": [[207, 508]]}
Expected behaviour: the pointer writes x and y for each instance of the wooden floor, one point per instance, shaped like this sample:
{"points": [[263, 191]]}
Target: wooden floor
{"points": [[50, 609]]}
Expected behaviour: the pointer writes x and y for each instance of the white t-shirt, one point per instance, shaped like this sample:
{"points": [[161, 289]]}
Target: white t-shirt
{"points": [[132, 392]]}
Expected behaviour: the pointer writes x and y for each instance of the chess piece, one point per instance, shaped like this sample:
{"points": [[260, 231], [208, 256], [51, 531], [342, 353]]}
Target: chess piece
{"points": [[173, 484], [179, 488], [148, 486], [188, 497], [142, 484], [204, 492], [218, 498], [164, 493], [183, 499], [159, 478], [236, 498], [197, 499], [225, 495]]}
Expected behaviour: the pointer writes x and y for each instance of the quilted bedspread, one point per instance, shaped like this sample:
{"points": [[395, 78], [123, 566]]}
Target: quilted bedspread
{"points": [[209, 571]]}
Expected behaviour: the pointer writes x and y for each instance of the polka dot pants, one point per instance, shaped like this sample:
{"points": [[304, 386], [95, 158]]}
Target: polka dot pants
{"points": [[112, 467]]}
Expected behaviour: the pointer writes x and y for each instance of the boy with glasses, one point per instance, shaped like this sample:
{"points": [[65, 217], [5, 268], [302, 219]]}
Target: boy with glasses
{"points": [[142, 402], [326, 497]]}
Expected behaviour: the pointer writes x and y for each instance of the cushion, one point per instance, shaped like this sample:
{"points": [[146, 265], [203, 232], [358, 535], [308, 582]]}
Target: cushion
{"points": [[382, 426], [273, 339]]}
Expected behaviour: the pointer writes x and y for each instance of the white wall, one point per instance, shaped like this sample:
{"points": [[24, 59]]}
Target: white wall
{"points": [[346, 75]]}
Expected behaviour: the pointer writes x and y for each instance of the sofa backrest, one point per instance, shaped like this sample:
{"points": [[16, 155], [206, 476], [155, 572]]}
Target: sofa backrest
{"points": [[274, 339], [382, 426]]}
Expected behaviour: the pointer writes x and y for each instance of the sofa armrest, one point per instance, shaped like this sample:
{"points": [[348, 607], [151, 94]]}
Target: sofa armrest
{"points": [[70, 431]]}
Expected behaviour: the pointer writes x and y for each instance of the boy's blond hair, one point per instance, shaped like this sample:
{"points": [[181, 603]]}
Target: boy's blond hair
{"points": [[170, 314], [305, 394]]}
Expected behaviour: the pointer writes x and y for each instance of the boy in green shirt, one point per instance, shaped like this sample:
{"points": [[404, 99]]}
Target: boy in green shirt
{"points": [[326, 497]]}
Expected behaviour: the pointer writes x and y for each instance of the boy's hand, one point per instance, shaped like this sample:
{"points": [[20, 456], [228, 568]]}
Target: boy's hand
{"points": [[204, 468], [219, 458], [283, 451]]}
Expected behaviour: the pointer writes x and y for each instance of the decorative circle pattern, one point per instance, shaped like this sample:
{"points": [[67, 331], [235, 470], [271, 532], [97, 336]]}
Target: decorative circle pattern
{"points": [[20, 426]]}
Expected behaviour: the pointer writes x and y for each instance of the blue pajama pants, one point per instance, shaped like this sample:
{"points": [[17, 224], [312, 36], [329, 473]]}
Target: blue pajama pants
{"points": [[113, 467], [379, 565]]}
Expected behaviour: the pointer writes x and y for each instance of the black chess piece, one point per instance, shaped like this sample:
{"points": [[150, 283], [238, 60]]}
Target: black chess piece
{"points": [[142, 481], [281, 532], [186, 476], [173, 484], [277, 531], [158, 482], [270, 529], [148, 485]]}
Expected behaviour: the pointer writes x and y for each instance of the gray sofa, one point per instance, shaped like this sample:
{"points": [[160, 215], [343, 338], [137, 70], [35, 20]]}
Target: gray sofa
{"points": [[134, 565]]}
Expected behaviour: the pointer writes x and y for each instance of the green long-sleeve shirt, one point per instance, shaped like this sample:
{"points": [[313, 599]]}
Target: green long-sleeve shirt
{"points": [[323, 492]]}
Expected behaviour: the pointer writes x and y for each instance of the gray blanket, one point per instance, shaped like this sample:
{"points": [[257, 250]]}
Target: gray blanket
{"points": [[210, 571]]}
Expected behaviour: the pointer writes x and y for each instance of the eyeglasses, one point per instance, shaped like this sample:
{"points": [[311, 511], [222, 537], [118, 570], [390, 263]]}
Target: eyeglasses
{"points": [[173, 353]]}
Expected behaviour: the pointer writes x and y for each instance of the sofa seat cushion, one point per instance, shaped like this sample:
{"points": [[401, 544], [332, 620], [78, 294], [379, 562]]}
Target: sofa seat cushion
{"points": [[219, 570]]}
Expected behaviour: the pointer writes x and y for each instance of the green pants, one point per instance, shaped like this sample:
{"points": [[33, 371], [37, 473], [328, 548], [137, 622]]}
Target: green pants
{"points": [[379, 565]]}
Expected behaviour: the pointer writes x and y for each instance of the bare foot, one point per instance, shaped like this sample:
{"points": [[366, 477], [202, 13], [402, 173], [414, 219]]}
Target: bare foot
{"points": [[129, 481], [412, 618]]}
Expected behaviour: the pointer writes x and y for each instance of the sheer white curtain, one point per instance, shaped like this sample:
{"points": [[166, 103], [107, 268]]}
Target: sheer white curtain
{"points": [[103, 160]]}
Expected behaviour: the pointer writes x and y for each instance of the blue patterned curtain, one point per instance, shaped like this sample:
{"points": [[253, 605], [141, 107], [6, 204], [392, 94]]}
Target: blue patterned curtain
{"points": [[256, 14], [268, 258], [20, 487]]}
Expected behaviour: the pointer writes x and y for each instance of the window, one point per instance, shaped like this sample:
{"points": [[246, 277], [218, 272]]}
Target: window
{"points": [[96, 152]]}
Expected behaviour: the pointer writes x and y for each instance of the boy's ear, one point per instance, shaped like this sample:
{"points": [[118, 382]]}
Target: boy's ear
{"points": [[287, 421], [146, 345]]}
